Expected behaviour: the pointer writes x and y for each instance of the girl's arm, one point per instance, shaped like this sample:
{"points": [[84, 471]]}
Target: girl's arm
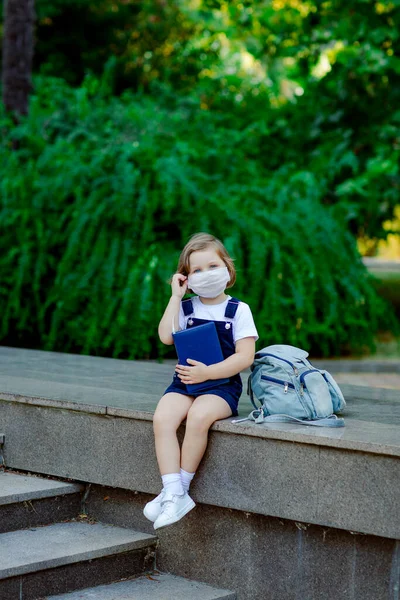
{"points": [[199, 372], [171, 313]]}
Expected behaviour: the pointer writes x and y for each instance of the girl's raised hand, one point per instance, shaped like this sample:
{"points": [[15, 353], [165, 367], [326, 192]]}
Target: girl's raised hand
{"points": [[179, 285]]}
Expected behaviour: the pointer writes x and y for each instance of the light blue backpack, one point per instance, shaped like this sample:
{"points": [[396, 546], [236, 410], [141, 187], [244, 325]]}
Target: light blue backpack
{"points": [[288, 388]]}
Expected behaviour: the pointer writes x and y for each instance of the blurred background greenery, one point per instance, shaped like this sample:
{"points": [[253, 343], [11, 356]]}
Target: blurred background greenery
{"points": [[274, 125]]}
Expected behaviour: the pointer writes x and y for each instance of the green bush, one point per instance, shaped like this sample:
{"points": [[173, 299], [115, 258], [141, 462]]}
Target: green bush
{"points": [[100, 194], [388, 287], [319, 81]]}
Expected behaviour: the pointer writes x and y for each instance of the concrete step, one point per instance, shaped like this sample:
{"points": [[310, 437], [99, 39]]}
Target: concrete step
{"points": [[2, 437], [158, 586], [15, 487], [66, 556], [29, 501]]}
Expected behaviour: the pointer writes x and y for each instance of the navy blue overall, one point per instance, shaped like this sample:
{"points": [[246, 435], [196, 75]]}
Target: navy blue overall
{"points": [[232, 390]]}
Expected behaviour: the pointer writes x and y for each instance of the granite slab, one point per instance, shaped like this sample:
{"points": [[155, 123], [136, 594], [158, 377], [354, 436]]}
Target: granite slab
{"points": [[29, 550], [155, 586], [19, 488], [131, 389]]}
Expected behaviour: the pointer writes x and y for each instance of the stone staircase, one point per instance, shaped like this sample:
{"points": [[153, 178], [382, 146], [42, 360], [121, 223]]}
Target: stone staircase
{"points": [[282, 511], [49, 548]]}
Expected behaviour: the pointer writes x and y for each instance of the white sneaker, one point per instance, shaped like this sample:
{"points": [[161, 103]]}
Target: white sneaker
{"points": [[173, 508], [152, 509]]}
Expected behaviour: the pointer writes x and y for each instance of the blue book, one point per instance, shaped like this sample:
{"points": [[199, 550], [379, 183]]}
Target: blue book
{"points": [[199, 343]]}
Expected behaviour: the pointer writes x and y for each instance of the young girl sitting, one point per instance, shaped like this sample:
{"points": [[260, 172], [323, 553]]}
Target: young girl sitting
{"points": [[205, 268]]}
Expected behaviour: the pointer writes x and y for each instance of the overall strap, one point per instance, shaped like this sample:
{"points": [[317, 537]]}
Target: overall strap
{"points": [[187, 306], [231, 308]]}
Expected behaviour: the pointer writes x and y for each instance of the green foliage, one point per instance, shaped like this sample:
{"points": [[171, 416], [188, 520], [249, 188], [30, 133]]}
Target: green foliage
{"points": [[321, 78], [388, 287], [101, 194]]}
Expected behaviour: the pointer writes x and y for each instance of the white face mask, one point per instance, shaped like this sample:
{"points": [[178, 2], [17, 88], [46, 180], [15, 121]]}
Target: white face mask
{"points": [[209, 284]]}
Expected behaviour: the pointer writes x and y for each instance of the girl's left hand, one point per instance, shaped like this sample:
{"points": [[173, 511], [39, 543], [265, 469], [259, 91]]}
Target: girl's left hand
{"points": [[195, 374]]}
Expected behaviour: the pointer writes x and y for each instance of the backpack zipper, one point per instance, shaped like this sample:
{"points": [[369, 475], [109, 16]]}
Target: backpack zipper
{"points": [[302, 383], [286, 384], [261, 354]]}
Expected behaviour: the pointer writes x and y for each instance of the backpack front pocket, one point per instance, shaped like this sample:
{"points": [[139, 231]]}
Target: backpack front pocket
{"points": [[338, 402], [279, 397], [315, 391]]}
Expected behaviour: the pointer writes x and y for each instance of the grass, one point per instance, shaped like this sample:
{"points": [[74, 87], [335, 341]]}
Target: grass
{"points": [[388, 286], [387, 347]]}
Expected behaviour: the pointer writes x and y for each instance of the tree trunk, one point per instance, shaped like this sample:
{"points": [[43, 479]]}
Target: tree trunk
{"points": [[19, 17]]}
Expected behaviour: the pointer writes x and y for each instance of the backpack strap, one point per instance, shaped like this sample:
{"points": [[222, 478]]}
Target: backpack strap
{"points": [[231, 308], [250, 393], [258, 417], [187, 306]]}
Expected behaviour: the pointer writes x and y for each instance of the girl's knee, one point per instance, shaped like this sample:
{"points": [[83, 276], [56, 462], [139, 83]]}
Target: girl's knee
{"points": [[171, 411], [199, 419], [163, 421]]}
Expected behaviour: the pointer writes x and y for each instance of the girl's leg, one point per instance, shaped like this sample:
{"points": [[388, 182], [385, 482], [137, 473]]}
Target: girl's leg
{"points": [[204, 411], [200, 415], [170, 412]]}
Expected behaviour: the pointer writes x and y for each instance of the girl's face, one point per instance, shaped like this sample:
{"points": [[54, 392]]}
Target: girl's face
{"points": [[204, 260]]}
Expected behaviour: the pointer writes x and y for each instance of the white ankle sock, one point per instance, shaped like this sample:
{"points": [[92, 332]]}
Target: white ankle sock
{"points": [[186, 478], [172, 483]]}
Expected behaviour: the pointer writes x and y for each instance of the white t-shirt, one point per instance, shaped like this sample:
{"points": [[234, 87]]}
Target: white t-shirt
{"points": [[242, 324]]}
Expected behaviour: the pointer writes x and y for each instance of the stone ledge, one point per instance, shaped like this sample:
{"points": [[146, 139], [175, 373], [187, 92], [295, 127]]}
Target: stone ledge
{"points": [[358, 365], [157, 586], [18, 488], [359, 435], [30, 550], [384, 264], [66, 404], [366, 392], [264, 472]]}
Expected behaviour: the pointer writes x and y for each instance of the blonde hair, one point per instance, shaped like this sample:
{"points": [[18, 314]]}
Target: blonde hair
{"points": [[203, 241]]}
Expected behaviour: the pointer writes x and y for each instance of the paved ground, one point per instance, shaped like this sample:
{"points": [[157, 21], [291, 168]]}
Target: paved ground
{"points": [[139, 384], [381, 380], [372, 414]]}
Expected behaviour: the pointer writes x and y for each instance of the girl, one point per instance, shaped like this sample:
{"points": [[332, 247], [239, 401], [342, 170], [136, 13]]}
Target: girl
{"points": [[205, 268]]}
